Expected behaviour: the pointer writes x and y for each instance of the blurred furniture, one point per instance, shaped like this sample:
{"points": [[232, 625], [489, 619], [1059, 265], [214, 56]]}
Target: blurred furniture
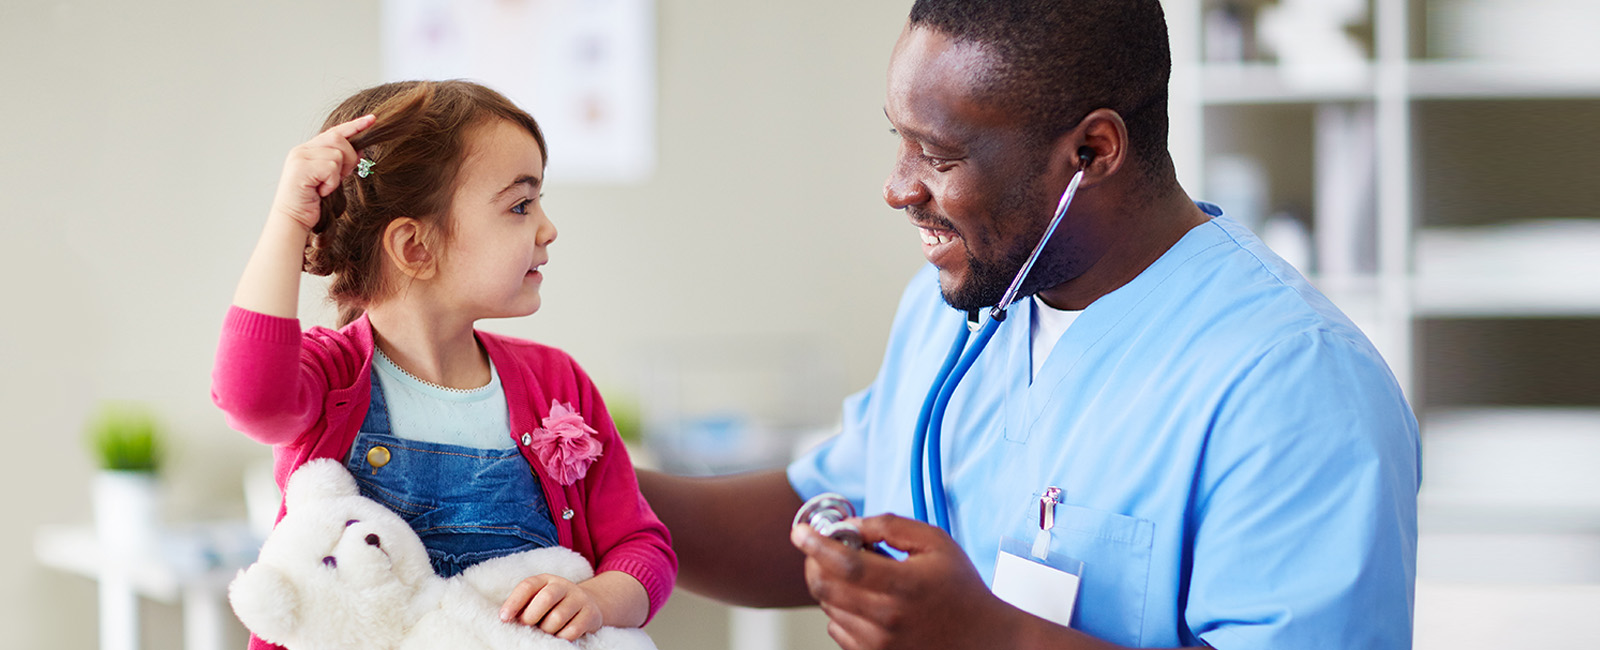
{"points": [[192, 565], [1467, 615]]}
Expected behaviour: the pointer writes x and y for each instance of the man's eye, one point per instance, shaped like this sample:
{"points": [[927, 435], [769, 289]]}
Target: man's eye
{"points": [[939, 164]]}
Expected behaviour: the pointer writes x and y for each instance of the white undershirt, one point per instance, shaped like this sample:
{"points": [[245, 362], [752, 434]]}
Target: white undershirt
{"points": [[1045, 329]]}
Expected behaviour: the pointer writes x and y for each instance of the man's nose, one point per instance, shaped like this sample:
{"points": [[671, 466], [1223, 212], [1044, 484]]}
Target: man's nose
{"points": [[903, 189]]}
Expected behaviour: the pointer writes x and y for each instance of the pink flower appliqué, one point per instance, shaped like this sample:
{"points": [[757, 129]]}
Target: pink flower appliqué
{"points": [[565, 445]]}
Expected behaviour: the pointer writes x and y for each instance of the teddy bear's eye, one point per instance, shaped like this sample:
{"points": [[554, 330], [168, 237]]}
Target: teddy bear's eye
{"points": [[330, 562], [351, 522]]}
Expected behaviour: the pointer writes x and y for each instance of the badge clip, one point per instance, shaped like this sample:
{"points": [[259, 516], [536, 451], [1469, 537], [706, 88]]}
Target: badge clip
{"points": [[1047, 520], [1047, 507]]}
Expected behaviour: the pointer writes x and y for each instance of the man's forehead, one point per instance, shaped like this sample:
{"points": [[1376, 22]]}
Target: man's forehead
{"points": [[924, 56], [936, 87]]}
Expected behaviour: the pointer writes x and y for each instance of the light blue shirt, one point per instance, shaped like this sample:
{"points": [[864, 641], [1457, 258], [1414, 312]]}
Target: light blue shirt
{"points": [[428, 412], [1239, 466]]}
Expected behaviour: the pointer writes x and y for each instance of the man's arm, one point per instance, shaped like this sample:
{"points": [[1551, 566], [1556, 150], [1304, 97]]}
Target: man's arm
{"points": [[731, 534]]}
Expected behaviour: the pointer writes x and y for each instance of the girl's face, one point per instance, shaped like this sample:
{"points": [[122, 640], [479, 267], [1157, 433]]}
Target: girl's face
{"points": [[490, 269]]}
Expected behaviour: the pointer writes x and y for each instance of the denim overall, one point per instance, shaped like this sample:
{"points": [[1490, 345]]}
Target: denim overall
{"points": [[467, 504]]}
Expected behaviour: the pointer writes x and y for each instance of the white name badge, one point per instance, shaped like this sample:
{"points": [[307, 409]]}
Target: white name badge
{"points": [[1046, 587]]}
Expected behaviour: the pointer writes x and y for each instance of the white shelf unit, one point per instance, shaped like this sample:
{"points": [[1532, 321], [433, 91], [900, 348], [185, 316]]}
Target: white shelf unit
{"points": [[1424, 265], [1545, 269], [1258, 82]]}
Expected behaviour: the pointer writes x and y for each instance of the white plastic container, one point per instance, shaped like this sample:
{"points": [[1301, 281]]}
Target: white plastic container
{"points": [[126, 513]]}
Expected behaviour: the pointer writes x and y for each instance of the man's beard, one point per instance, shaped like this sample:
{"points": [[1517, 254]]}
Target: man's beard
{"points": [[988, 279]]}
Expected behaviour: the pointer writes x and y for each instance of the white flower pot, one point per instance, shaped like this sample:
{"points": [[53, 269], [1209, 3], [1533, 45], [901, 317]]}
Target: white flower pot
{"points": [[126, 512]]}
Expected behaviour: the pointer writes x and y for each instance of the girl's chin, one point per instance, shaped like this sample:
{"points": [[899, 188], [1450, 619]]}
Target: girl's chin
{"points": [[516, 307], [528, 307]]}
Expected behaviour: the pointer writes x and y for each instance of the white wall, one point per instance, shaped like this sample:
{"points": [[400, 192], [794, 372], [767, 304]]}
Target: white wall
{"points": [[141, 142]]}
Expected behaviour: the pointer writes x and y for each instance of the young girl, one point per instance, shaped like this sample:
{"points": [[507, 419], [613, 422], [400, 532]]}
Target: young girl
{"points": [[422, 201]]}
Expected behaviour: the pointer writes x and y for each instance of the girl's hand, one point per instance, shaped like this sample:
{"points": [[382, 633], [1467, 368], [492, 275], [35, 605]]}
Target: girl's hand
{"points": [[554, 604], [314, 170]]}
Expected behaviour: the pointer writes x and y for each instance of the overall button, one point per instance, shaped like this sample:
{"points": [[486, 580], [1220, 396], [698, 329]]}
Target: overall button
{"points": [[527, 439], [568, 513], [378, 457]]}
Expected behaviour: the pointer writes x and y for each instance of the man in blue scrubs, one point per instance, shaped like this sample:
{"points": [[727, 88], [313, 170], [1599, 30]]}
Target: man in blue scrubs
{"points": [[1224, 458]]}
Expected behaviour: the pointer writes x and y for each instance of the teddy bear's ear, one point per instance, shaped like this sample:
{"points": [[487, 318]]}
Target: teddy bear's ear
{"points": [[266, 602], [319, 480]]}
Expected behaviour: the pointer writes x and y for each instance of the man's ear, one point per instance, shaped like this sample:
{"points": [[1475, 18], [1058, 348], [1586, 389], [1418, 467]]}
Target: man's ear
{"points": [[1103, 136], [408, 246]]}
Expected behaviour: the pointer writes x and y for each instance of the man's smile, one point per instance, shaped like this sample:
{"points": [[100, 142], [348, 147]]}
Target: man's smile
{"points": [[934, 237]]}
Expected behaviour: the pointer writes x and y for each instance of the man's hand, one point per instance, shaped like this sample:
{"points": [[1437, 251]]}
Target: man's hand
{"points": [[933, 599]]}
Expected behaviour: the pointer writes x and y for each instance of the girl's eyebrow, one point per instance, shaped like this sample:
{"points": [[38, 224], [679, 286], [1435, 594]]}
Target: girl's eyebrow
{"points": [[531, 181]]}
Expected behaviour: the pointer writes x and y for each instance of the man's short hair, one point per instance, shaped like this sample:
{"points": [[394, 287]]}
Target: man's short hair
{"points": [[1057, 60]]}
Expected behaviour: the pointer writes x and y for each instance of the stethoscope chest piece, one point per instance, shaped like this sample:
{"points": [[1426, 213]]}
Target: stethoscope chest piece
{"points": [[826, 513]]}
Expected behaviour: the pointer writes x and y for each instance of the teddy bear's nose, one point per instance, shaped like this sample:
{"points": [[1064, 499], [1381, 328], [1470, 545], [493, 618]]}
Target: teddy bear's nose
{"points": [[372, 539]]}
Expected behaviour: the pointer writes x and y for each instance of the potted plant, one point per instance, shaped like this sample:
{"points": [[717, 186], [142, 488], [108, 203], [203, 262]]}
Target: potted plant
{"points": [[127, 443]]}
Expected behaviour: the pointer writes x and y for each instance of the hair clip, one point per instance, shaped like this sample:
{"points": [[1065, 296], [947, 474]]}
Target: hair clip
{"points": [[364, 168]]}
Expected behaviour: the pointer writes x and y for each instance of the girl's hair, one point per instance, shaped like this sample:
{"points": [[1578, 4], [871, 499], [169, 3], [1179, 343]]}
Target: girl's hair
{"points": [[417, 146]]}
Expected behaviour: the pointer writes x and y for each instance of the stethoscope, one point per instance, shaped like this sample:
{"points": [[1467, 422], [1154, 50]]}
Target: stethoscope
{"points": [[930, 421], [829, 513]]}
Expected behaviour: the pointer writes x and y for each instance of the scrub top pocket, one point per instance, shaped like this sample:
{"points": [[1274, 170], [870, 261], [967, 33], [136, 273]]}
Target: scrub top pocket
{"points": [[1115, 551]]}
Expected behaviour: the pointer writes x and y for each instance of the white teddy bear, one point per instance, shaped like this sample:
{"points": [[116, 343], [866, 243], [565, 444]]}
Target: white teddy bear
{"points": [[343, 571]]}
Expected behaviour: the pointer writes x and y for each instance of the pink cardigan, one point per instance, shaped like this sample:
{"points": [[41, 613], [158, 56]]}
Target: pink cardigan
{"points": [[307, 394]]}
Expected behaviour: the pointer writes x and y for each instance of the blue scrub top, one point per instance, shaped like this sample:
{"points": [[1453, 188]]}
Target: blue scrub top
{"points": [[1239, 465]]}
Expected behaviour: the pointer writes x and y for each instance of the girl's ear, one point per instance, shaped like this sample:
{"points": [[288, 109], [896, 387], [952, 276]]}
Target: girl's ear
{"points": [[408, 247]]}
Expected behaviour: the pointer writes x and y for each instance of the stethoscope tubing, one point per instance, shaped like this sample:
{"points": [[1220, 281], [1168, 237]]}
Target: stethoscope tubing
{"points": [[919, 441], [1016, 282], [936, 424], [926, 439]]}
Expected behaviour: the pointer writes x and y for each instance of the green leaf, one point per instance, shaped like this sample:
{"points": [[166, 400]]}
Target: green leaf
{"points": [[125, 437]]}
